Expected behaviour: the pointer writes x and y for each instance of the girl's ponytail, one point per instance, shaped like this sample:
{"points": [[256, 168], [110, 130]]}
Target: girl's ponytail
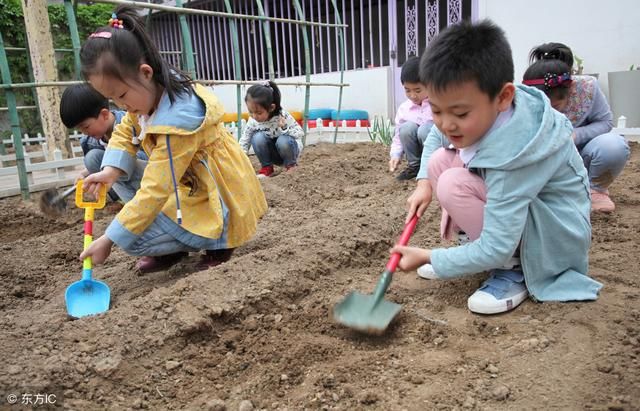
{"points": [[277, 98], [266, 94], [550, 69], [119, 52], [552, 51]]}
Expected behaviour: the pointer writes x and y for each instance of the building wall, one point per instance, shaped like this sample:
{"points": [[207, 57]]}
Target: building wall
{"points": [[368, 90], [604, 34]]}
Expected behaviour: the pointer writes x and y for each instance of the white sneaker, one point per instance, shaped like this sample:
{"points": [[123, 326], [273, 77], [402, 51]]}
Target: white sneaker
{"points": [[426, 271], [503, 291]]}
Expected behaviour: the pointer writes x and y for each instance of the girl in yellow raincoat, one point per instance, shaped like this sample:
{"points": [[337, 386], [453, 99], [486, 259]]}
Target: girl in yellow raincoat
{"points": [[198, 190]]}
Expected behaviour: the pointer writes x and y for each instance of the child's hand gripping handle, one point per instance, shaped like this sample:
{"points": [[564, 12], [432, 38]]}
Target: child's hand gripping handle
{"points": [[404, 240], [89, 207]]}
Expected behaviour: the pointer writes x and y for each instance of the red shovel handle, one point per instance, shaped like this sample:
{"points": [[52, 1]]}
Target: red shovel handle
{"points": [[404, 239]]}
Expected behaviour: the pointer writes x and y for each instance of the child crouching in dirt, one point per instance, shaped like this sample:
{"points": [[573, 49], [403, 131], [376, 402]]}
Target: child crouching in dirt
{"points": [[84, 108], [413, 122], [513, 181], [580, 99], [275, 135], [199, 190]]}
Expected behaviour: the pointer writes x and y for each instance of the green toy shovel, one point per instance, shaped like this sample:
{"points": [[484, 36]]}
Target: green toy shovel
{"points": [[371, 313]]}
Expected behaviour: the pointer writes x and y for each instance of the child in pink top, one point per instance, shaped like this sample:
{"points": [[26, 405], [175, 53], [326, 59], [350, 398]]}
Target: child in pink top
{"points": [[413, 122]]}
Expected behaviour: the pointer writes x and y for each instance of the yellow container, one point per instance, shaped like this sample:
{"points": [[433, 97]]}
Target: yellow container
{"points": [[231, 117], [297, 115]]}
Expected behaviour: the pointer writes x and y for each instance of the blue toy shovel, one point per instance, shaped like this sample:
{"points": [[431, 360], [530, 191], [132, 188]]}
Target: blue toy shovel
{"points": [[88, 296]]}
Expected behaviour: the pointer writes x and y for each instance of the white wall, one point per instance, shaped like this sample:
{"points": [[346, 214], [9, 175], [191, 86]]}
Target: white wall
{"points": [[604, 33], [368, 90]]}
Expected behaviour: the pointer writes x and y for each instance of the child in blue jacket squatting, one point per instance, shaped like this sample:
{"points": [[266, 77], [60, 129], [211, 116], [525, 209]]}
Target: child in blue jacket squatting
{"points": [[199, 190], [506, 172]]}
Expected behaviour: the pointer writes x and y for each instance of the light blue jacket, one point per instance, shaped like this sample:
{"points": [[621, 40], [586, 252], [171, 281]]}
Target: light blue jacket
{"points": [[537, 197]]}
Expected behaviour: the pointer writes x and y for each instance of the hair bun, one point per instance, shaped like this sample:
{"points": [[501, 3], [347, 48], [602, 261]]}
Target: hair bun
{"points": [[551, 55]]}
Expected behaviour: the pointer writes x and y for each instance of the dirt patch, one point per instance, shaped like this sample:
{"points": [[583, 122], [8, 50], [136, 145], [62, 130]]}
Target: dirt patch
{"points": [[256, 333]]}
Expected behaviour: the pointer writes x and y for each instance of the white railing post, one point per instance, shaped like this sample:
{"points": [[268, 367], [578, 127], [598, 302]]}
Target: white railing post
{"points": [[622, 122], [45, 151], [57, 155]]}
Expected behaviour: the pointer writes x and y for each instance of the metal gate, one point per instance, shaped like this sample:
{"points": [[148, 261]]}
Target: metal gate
{"points": [[414, 24]]}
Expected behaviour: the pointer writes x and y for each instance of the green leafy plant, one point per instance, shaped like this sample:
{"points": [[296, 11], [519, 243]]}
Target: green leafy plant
{"points": [[579, 65], [380, 131], [88, 18], [634, 67]]}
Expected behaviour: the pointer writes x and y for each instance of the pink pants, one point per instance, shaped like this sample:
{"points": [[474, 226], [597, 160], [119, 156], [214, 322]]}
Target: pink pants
{"points": [[462, 194]]}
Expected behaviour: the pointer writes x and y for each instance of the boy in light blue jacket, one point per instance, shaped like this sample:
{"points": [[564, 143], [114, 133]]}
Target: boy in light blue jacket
{"points": [[506, 172]]}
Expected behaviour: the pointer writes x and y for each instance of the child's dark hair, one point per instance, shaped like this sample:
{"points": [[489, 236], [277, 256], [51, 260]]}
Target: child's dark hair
{"points": [[120, 53], [410, 72], [80, 102], [464, 52], [547, 60], [265, 95]]}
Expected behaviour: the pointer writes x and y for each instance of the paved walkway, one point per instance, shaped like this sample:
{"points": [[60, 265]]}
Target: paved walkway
{"points": [[42, 180]]}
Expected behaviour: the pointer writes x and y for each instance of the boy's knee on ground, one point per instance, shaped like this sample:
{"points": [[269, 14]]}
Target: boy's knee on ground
{"points": [[408, 130]]}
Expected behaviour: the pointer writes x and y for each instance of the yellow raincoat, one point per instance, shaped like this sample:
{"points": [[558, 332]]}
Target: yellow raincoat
{"points": [[219, 195]]}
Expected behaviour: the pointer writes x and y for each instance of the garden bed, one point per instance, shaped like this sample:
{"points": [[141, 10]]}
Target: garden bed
{"points": [[258, 328]]}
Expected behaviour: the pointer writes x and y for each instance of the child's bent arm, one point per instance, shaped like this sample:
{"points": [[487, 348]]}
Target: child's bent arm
{"points": [[599, 121], [412, 257], [434, 141], [156, 188], [393, 164], [292, 127], [396, 149], [122, 136], [249, 130], [107, 176], [99, 250], [419, 200], [509, 194]]}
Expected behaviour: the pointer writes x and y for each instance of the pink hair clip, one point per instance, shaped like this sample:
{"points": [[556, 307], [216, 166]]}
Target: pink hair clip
{"points": [[101, 34]]}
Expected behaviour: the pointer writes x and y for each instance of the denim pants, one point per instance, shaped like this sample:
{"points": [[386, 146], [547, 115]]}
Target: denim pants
{"points": [[412, 137], [93, 163], [280, 151], [154, 241], [604, 158]]}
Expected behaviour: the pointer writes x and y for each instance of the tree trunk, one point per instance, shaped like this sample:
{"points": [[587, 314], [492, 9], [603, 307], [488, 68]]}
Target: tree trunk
{"points": [[43, 61]]}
